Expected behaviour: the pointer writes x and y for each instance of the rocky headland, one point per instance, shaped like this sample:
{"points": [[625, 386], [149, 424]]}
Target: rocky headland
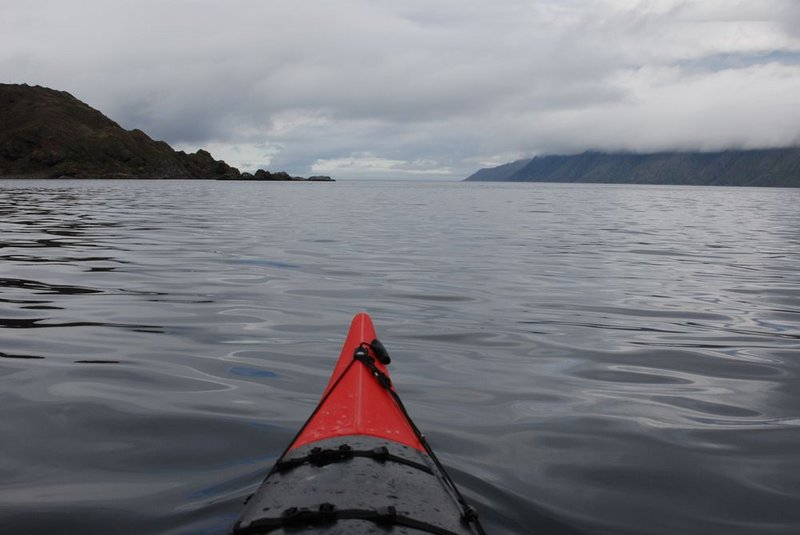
{"points": [[45, 133]]}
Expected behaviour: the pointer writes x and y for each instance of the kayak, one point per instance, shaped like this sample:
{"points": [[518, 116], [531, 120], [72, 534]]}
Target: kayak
{"points": [[359, 464]]}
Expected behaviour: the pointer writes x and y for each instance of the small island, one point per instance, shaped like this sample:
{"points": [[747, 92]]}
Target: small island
{"points": [[45, 133], [280, 175]]}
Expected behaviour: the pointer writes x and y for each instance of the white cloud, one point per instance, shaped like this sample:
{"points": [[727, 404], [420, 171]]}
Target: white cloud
{"points": [[369, 166], [744, 108]]}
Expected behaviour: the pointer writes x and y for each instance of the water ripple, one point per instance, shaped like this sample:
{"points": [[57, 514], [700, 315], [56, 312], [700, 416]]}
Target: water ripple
{"points": [[585, 359]]}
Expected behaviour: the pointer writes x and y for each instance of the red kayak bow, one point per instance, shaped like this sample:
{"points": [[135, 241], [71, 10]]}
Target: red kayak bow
{"points": [[359, 464], [354, 402]]}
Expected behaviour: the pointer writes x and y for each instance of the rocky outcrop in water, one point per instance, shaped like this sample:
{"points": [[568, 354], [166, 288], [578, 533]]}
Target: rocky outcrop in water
{"points": [[46, 133], [279, 176]]}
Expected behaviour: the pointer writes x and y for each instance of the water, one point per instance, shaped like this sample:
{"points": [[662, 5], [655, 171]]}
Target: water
{"points": [[584, 358]]}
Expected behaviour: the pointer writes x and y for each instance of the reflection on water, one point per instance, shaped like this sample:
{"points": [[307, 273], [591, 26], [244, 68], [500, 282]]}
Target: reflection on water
{"points": [[584, 358]]}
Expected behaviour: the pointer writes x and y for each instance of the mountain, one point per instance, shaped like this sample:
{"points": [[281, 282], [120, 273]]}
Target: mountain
{"points": [[762, 167], [46, 133]]}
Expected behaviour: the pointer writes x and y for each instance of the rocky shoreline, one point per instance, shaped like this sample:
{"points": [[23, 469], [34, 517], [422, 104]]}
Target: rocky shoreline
{"points": [[262, 175]]}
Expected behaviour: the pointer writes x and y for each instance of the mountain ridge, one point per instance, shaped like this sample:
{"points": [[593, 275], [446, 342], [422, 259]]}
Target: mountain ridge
{"points": [[776, 167]]}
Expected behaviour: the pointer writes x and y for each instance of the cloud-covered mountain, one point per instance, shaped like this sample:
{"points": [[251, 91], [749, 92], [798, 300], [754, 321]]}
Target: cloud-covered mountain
{"points": [[765, 167]]}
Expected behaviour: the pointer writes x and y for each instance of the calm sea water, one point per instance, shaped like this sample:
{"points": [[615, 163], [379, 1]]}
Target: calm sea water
{"points": [[584, 358]]}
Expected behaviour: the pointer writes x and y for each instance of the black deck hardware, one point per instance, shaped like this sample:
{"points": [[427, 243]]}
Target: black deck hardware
{"points": [[321, 457], [380, 352]]}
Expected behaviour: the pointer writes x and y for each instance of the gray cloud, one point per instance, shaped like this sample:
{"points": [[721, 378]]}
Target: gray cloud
{"points": [[393, 89]]}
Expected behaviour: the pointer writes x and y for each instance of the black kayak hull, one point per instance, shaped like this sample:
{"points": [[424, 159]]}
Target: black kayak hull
{"points": [[354, 485]]}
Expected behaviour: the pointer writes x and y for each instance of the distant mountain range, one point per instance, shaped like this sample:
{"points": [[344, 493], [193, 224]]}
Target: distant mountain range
{"points": [[763, 167], [46, 133]]}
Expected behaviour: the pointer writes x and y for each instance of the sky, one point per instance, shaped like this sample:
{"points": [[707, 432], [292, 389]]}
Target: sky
{"points": [[419, 88]]}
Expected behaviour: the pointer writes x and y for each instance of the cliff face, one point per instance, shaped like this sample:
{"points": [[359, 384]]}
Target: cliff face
{"points": [[767, 167], [46, 133]]}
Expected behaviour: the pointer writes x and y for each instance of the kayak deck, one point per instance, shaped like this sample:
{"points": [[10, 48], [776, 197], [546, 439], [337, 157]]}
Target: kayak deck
{"points": [[359, 464]]}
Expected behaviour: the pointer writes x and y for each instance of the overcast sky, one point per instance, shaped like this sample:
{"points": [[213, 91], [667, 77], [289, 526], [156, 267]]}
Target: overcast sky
{"points": [[419, 88]]}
